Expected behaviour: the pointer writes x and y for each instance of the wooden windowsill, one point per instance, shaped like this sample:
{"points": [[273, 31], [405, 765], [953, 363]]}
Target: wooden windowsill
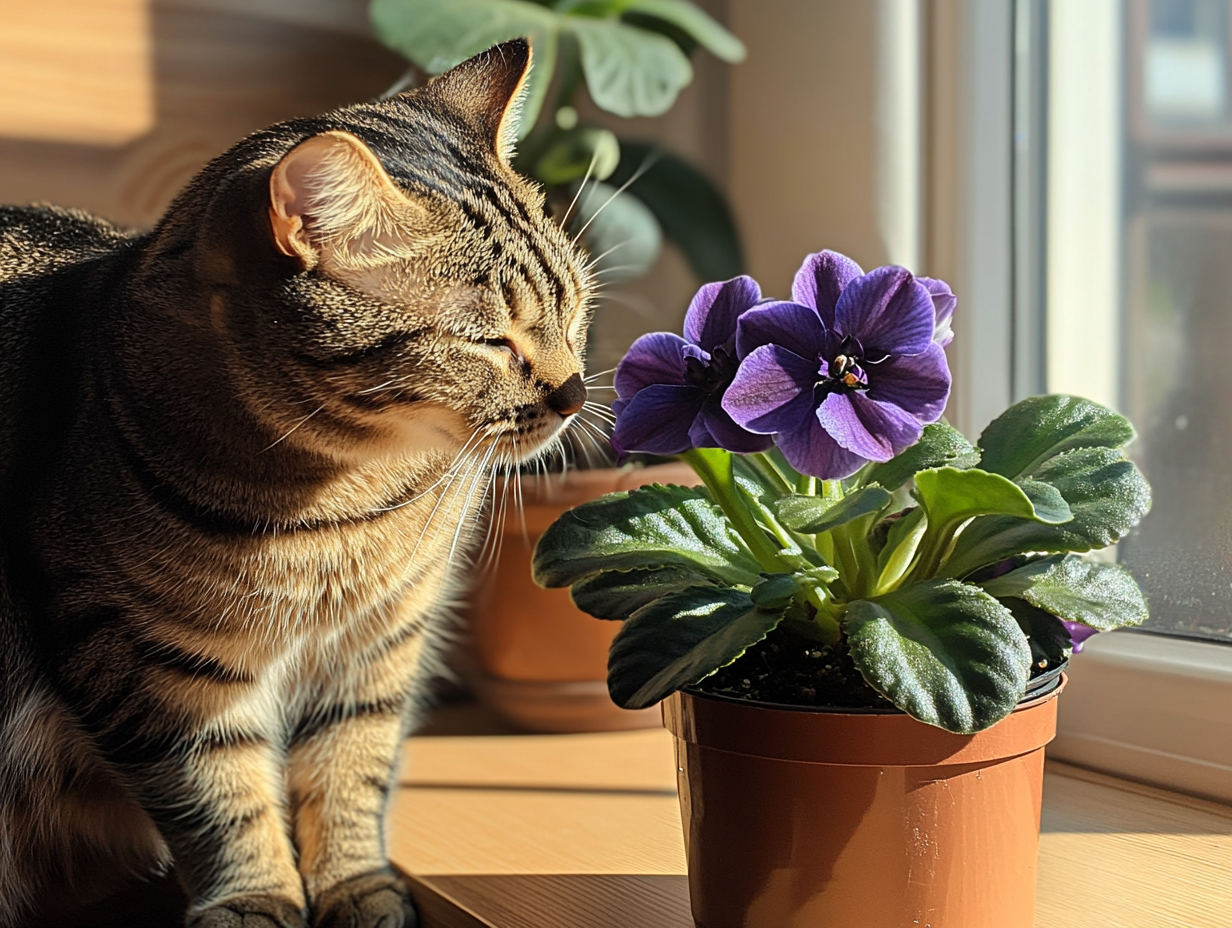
{"points": [[583, 831]]}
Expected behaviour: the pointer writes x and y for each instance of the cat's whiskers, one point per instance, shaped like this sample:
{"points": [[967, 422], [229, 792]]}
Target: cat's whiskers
{"points": [[594, 158], [292, 429], [595, 376], [647, 163]]}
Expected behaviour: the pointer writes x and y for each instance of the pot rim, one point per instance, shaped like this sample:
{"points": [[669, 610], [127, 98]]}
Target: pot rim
{"points": [[880, 739]]}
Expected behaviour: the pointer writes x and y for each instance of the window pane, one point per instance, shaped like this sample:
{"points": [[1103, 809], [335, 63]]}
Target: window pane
{"points": [[1176, 366]]}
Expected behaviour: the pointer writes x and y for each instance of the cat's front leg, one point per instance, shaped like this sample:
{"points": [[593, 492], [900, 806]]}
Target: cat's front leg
{"points": [[341, 769]]}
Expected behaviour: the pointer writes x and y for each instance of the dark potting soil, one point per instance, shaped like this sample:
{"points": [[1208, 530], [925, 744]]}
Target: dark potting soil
{"points": [[790, 669]]}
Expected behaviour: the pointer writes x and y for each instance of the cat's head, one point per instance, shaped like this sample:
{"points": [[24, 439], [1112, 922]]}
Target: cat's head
{"points": [[407, 287]]}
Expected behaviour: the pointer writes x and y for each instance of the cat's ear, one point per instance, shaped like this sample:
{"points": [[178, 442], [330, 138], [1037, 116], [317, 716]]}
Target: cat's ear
{"points": [[331, 192], [488, 90]]}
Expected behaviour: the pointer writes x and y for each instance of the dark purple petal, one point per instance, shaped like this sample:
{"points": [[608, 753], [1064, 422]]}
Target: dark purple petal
{"points": [[821, 279], [944, 302], [888, 311], [657, 420], [654, 358], [919, 384], [711, 319], [876, 431], [792, 325], [811, 450], [1078, 633], [772, 390], [726, 433]]}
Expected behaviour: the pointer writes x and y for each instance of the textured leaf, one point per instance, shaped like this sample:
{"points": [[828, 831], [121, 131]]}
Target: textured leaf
{"points": [[438, 34], [1049, 639], [1106, 493], [951, 496], [812, 514], [694, 21], [617, 594], [689, 207], [653, 526], [944, 652], [1103, 596], [779, 589], [1036, 429], [681, 639], [629, 71], [621, 233], [940, 445], [902, 543]]}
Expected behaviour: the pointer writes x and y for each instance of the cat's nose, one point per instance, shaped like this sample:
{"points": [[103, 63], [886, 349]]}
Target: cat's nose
{"points": [[568, 397]]}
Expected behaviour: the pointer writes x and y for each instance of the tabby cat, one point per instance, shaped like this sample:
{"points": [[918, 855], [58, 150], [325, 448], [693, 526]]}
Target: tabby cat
{"points": [[240, 459]]}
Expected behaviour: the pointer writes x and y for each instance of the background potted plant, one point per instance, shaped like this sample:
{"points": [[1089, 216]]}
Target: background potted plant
{"points": [[534, 662], [860, 619]]}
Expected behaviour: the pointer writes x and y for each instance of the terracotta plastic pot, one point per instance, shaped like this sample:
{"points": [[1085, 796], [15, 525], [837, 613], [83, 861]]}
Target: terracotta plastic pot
{"points": [[541, 662], [816, 819]]}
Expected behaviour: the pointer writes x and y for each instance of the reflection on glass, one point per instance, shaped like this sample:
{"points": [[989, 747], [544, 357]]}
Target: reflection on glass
{"points": [[1185, 66]]}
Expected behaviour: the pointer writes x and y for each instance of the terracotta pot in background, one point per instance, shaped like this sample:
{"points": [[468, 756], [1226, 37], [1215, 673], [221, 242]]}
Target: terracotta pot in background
{"points": [[541, 663], [808, 819]]}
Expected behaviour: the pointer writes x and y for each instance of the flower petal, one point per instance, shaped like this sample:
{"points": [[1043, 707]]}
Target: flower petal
{"points": [[888, 311], [919, 384], [1078, 633], [792, 325], [772, 390], [821, 279], [657, 420], [811, 450], [726, 433], [876, 431], [711, 319], [944, 302], [654, 358]]}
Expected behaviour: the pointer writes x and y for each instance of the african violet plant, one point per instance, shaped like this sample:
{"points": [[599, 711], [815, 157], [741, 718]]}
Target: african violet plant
{"points": [[837, 504]]}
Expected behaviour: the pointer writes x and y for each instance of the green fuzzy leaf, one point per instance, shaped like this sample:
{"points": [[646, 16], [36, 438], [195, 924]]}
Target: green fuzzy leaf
{"points": [[689, 207], [1106, 493], [1103, 596], [940, 445], [576, 151], [621, 232], [944, 652], [654, 526], [438, 34], [1049, 639], [1050, 506], [777, 590], [629, 71], [1039, 428], [694, 21], [813, 515], [617, 594], [950, 497], [902, 543], [681, 639]]}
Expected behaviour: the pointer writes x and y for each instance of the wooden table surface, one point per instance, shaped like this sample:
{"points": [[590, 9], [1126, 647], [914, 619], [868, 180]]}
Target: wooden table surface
{"points": [[583, 831]]}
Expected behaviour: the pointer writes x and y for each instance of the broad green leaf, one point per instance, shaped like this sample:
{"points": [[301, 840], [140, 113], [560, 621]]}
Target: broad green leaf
{"points": [[940, 445], [438, 34], [813, 515], [696, 23], [1049, 639], [1039, 428], [689, 207], [654, 526], [617, 594], [629, 71], [779, 589], [681, 639], [1103, 596], [944, 652], [902, 543], [950, 497], [574, 153], [1106, 493], [1050, 506], [621, 233]]}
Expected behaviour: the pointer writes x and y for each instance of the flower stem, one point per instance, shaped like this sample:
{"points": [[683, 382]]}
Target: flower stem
{"points": [[714, 466]]}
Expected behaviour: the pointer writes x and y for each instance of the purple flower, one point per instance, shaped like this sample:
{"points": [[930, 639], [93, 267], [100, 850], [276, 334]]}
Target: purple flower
{"points": [[944, 302], [1078, 633], [669, 388], [850, 371]]}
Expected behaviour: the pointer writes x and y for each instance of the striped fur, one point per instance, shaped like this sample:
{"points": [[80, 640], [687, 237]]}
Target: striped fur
{"points": [[241, 460]]}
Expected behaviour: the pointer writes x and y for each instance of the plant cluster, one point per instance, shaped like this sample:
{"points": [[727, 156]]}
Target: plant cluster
{"points": [[633, 57], [837, 504]]}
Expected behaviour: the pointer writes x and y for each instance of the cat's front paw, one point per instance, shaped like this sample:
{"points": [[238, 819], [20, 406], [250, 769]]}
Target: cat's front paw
{"points": [[374, 900], [251, 912]]}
